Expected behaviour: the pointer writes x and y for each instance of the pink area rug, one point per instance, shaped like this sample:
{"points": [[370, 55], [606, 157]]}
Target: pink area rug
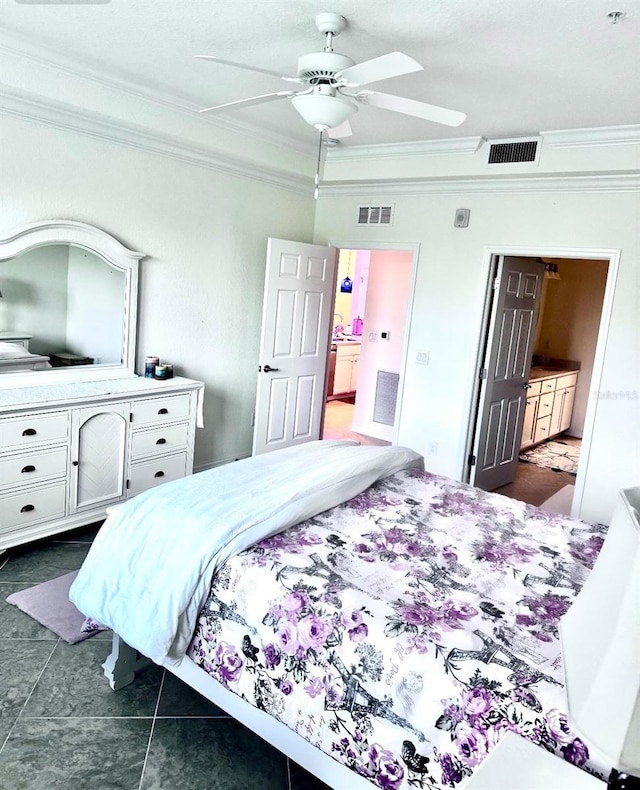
{"points": [[49, 604]]}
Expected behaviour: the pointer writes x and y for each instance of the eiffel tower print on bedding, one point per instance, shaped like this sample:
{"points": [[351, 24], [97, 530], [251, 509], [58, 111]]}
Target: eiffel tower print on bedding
{"points": [[406, 630]]}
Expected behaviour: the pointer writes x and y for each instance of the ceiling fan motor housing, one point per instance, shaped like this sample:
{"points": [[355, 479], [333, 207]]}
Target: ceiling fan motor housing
{"points": [[321, 66]]}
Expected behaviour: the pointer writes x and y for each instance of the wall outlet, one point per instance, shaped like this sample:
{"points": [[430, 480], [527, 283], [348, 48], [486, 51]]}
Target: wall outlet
{"points": [[432, 448], [422, 357]]}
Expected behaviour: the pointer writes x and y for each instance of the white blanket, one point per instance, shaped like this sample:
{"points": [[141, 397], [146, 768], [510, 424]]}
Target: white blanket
{"points": [[150, 567]]}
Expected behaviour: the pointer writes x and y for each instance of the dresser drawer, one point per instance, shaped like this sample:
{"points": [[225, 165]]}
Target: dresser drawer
{"points": [[148, 474], [534, 388], [548, 385], [27, 507], [24, 468], [546, 404], [159, 441], [168, 409], [24, 431], [570, 380]]}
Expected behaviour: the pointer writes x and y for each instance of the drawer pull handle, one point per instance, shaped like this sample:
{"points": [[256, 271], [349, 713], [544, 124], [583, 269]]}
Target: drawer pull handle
{"points": [[27, 508], [161, 441], [28, 468], [163, 411], [29, 432], [159, 474]]}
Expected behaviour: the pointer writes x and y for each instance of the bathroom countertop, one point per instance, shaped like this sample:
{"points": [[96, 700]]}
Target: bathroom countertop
{"points": [[543, 372]]}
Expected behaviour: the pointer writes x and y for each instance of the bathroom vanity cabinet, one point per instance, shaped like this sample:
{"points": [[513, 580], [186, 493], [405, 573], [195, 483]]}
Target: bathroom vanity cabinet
{"points": [[346, 372], [549, 405]]}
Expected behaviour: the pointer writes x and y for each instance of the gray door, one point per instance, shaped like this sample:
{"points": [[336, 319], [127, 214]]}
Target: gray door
{"points": [[506, 366]]}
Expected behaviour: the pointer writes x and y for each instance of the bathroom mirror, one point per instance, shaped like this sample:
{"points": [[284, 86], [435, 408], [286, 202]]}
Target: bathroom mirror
{"points": [[68, 304]]}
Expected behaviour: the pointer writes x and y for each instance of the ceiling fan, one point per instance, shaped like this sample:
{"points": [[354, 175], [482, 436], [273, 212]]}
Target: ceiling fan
{"points": [[332, 86]]}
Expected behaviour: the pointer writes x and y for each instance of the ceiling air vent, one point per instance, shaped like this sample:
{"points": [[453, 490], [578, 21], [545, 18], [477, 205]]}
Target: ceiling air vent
{"points": [[508, 152], [375, 215]]}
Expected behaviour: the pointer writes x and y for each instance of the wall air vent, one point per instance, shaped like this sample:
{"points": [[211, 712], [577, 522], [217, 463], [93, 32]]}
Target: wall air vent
{"points": [[386, 396], [508, 152], [375, 215]]}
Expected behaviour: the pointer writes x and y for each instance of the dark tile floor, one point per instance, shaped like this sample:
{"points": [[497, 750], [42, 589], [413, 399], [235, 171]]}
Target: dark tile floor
{"points": [[61, 726]]}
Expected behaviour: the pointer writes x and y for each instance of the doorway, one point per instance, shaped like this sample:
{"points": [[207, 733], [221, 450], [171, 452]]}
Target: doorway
{"points": [[366, 360], [568, 347]]}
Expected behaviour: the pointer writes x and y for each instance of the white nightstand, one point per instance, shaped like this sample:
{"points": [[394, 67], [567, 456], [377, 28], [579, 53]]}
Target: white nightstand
{"points": [[517, 764]]}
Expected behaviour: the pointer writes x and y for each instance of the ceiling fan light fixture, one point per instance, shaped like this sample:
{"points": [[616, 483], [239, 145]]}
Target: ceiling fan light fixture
{"points": [[322, 111]]}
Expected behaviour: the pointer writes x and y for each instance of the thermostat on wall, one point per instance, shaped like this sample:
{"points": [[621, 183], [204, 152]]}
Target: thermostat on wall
{"points": [[461, 219]]}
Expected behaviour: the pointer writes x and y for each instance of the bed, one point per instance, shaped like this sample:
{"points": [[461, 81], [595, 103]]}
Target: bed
{"points": [[14, 357], [381, 625]]}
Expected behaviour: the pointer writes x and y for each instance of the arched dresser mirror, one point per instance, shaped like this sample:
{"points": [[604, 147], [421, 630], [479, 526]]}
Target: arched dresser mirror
{"points": [[68, 306], [79, 431]]}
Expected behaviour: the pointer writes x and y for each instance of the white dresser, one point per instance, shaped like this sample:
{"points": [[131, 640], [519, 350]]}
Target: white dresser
{"points": [[68, 451]]}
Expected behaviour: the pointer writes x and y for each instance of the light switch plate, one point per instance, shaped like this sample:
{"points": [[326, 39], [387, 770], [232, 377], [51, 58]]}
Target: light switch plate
{"points": [[461, 219]]}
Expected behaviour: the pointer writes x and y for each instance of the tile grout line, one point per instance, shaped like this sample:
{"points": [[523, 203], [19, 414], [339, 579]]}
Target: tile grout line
{"points": [[153, 726], [13, 726]]}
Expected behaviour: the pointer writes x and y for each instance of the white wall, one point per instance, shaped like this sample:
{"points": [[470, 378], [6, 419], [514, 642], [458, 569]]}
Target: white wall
{"points": [[205, 235], [447, 309]]}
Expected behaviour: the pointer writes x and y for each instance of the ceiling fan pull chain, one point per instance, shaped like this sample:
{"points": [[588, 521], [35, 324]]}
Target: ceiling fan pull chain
{"points": [[316, 190]]}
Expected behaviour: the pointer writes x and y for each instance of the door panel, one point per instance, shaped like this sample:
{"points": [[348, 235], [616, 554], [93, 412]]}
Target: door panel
{"points": [[506, 367], [298, 298], [99, 452]]}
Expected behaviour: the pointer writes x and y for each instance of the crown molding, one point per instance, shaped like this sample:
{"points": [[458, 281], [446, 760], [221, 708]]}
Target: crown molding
{"points": [[602, 135], [563, 138], [359, 153], [490, 184], [60, 115], [15, 45]]}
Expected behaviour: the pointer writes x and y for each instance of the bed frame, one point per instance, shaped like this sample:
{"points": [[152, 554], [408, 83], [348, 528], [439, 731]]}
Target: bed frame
{"points": [[124, 661]]}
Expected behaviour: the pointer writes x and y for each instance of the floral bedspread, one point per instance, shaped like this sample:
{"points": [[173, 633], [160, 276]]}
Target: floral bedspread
{"points": [[406, 630]]}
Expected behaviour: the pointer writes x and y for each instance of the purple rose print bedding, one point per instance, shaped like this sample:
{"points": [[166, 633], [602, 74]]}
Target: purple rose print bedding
{"points": [[404, 631]]}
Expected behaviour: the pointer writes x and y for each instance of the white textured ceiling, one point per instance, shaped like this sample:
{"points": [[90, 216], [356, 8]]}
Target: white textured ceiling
{"points": [[516, 67]]}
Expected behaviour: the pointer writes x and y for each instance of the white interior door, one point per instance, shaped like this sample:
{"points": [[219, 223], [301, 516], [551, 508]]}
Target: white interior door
{"points": [[507, 362], [296, 316]]}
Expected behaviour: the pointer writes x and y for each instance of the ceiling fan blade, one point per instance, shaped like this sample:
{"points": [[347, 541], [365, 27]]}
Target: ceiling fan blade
{"points": [[338, 132], [248, 68], [395, 64], [266, 97], [428, 112]]}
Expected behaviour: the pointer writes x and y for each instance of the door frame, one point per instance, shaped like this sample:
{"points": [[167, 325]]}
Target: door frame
{"points": [[490, 257], [390, 246]]}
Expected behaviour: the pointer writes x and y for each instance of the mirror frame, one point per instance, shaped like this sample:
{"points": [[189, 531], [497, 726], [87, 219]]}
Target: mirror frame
{"points": [[113, 252]]}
